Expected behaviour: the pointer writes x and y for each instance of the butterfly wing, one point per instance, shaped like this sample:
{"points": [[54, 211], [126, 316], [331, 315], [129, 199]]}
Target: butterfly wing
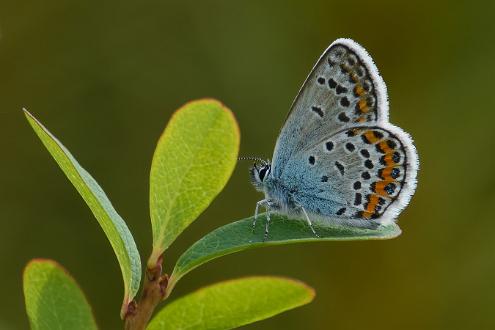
{"points": [[337, 153], [365, 172], [343, 89]]}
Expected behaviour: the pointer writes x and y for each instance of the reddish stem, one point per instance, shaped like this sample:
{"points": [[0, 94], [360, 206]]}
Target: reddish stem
{"points": [[154, 289]]}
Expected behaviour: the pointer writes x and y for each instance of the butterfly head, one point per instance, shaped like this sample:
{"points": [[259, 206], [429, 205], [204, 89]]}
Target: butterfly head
{"points": [[259, 173]]}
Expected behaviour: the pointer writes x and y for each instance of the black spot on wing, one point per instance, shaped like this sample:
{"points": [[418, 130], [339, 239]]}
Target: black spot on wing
{"points": [[396, 157], [378, 135], [350, 147], [367, 85], [340, 167], [358, 199], [343, 118], [344, 102], [395, 173], [340, 89], [391, 144], [390, 188], [365, 139], [317, 110], [351, 132], [351, 60]]}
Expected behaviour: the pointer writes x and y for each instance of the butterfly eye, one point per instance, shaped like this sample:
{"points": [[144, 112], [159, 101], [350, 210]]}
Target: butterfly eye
{"points": [[264, 170], [262, 173]]}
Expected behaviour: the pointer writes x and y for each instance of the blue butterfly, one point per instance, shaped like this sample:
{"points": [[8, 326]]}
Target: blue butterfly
{"points": [[337, 157]]}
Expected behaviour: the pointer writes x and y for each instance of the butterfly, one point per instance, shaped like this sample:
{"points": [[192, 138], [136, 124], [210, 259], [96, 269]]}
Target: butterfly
{"points": [[338, 158]]}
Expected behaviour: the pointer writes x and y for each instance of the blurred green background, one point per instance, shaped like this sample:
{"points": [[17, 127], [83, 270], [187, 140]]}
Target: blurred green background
{"points": [[105, 76]]}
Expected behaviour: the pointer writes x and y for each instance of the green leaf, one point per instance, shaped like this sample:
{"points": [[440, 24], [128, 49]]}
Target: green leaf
{"points": [[193, 161], [238, 236], [233, 303], [53, 298], [110, 221]]}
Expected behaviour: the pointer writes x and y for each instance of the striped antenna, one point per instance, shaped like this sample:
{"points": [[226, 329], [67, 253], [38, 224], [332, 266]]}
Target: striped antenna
{"points": [[256, 159]]}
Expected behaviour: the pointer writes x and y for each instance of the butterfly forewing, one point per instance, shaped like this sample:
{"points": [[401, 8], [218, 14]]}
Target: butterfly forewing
{"points": [[343, 90]]}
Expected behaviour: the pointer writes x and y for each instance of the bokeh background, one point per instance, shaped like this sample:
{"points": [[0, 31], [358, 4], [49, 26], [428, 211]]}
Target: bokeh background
{"points": [[105, 76]]}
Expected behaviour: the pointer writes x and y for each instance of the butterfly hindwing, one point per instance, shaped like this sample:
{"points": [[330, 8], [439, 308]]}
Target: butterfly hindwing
{"points": [[343, 90], [363, 173]]}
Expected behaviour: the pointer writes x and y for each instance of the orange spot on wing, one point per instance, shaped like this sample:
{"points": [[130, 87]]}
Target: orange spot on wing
{"points": [[366, 214], [373, 201], [359, 90], [388, 158], [384, 146], [386, 173], [363, 106], [350, 72], [370, 136]]}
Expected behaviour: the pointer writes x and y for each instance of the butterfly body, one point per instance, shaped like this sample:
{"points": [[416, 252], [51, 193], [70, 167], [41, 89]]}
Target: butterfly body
{"points": [[337, 157]]}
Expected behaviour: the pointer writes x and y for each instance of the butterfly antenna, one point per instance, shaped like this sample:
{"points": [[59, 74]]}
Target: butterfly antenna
{"points": [[256, 159]]}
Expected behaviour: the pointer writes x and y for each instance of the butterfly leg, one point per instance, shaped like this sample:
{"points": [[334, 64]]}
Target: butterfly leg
{"points": [[267, 223], [267, 204], [309, 221], [258, 204]]}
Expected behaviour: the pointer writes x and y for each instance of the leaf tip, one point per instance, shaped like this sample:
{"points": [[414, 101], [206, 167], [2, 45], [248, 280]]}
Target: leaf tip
{"points": [[48, 262], [203, 100], [43, 281], [37, 261], [230, 113], [27, 114], [310, 291], [54, 266], [217, 103], [237, 129], [32, 120]]}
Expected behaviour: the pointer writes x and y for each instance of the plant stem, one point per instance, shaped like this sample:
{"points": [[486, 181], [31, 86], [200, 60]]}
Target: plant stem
{"points": [[155, 284]]}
